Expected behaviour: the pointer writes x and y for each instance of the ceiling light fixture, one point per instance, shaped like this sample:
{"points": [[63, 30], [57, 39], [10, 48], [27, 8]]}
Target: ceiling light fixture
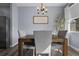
{"points": [[42, 9]]}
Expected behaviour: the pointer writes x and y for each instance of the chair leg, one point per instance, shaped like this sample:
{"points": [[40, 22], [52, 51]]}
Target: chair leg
{"points": [[33, 52], [60, 51]]}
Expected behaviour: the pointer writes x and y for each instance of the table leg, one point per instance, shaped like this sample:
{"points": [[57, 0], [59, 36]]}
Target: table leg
{"points": [[65, 48], [20, 47]]}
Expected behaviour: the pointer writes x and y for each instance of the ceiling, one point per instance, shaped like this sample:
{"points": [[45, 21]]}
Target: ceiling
{"points": [[35, 4], [4, 4], [38, 4]]}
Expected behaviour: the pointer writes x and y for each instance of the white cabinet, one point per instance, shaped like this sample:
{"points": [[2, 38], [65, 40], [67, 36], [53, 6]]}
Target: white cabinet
{"points": [[74, 11], [74, 40]]}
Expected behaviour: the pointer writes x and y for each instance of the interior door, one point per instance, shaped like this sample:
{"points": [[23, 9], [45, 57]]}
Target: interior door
{"points": [[2, 32]]}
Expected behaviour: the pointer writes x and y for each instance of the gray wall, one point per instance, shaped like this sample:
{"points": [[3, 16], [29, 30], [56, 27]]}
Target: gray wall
{"points": [[26, 19], [74, 11], [14, 24]]}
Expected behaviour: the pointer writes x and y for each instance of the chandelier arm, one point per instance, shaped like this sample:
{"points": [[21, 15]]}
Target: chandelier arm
{"points": [[41, 5]]}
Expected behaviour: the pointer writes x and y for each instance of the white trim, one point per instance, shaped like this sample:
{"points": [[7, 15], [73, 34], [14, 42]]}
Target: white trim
{"points": [[14, 44], [76, 49]]}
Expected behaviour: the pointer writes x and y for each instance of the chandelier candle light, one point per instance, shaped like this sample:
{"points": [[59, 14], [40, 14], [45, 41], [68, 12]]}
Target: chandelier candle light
{"points": [[42, 9]]}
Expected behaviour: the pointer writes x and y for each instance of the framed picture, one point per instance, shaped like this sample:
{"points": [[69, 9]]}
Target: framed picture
{"points": [[40, 19]]}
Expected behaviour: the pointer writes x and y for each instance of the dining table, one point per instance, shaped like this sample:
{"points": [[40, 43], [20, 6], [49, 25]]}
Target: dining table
{"points": [[30, 38]]}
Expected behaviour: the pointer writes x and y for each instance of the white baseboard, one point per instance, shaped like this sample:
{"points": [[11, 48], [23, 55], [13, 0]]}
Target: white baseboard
{"points": [[14, 44], [76, 49]]}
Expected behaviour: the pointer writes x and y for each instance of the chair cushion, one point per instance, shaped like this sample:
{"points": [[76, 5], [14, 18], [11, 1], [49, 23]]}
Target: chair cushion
{"points": [[29, 47]]}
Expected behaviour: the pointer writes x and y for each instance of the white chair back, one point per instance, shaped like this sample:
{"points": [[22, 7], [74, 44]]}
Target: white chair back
{"points": [[43, 41], [21, 33]]}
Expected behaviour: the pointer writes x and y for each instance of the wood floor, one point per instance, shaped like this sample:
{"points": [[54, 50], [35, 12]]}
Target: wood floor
{"points": [[14, 52]]}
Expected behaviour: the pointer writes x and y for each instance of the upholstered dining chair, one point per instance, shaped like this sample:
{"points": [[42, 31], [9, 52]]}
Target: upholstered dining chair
{"points": [[27, 45], [43, 41], [62, 34], [59, 46]]}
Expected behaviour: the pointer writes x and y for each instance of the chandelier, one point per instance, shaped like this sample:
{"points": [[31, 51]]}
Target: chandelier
{"points": [[41, 9]]}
